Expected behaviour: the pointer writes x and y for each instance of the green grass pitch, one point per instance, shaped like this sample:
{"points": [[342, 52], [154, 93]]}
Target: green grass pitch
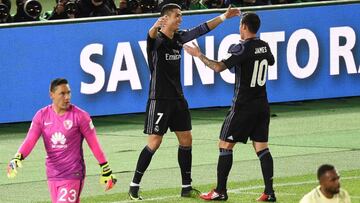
{"points": [[303, 135]]}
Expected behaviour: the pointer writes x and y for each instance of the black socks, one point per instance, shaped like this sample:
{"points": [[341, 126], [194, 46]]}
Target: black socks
{"points": [[267, 168], [142, 164], [223, 169], [185, 159]]}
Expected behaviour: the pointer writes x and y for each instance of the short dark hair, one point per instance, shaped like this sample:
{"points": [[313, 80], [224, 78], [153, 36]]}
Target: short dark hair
{"points": [[56, 82], [168, 8], [323, 169], [252, 21]]}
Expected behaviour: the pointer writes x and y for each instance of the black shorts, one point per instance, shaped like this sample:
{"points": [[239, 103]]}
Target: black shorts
{"points": [[162, 114], [245, 121]]}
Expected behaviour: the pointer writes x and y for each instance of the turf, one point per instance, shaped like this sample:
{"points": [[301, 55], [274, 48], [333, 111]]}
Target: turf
{"points": [[303, 135], [289, 189]]}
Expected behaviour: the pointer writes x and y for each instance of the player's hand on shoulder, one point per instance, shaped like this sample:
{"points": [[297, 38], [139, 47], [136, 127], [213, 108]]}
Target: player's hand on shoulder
{"points": [[13, 165], [107, 177], [231, 12]]}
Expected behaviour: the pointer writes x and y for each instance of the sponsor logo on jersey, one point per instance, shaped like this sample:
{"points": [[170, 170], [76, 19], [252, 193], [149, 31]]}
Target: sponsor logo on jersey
{"points": [[68, 124], [58, 141], [173, 57]]}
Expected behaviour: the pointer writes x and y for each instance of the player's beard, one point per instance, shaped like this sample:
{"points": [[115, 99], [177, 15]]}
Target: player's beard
{"points": [[334, 191]]}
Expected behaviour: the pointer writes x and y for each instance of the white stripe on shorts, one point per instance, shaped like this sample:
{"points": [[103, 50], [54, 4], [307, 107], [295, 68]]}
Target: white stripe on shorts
{"points": [[227, 123], [151, 116]]}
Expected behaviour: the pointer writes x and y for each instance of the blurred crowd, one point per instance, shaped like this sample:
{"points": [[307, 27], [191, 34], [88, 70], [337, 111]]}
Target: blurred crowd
{"points": [[32, 10]]}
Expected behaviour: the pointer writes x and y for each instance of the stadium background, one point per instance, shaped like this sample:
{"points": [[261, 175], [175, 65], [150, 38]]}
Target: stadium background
{"points": [[104, 59]]}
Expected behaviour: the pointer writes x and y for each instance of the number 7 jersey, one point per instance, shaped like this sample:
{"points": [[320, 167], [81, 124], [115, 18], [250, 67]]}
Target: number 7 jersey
{"points": [[251, 59]]}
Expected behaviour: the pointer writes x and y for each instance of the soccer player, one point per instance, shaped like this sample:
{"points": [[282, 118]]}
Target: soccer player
{"points": [[329, 189], [166, 106], [63, 127], [248, 116]]}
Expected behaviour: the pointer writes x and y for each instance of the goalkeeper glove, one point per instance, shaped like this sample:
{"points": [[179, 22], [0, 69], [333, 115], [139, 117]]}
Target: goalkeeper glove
{"points": [[107, 177], [14, 164]]}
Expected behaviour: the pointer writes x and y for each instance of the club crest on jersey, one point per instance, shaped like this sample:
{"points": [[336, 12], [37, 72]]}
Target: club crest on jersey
{"points": [[156, 129], [68, 124]]}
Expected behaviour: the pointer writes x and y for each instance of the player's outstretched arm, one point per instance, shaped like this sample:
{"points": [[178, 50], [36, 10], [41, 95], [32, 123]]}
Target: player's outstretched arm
{"points": [[106, 176], [230, 12], [14, 164], [160, 22], [195, 51]]}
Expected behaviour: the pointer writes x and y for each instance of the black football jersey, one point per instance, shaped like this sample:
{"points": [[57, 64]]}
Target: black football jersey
{"points": [[251, 59], [164, 57]]}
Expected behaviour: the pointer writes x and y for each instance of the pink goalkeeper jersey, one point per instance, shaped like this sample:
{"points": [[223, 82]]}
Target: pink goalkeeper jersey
{"points": [[63, 137]]}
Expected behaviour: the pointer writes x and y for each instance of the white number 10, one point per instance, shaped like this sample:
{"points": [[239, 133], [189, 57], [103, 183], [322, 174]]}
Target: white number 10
{"points": [[258, 72]]}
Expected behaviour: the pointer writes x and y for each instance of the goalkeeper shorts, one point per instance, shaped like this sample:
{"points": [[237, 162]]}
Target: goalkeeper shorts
{"points": [[65, 191]]}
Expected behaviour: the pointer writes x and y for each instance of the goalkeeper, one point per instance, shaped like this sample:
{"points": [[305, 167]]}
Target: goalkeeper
{"points": [[63, 127]]}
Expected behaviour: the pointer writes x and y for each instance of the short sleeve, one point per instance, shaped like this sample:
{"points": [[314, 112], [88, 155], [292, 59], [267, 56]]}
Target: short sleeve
{"points": [[237, 55]]}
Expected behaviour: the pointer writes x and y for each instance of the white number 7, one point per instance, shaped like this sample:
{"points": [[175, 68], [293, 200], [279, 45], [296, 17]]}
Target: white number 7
{"points": [[160, 116]]}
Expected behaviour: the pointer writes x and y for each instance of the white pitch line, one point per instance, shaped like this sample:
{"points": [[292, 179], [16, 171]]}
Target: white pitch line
{"points": [[150, 199], [286, 184], [256, 193], [275, 185], [241, 190]]}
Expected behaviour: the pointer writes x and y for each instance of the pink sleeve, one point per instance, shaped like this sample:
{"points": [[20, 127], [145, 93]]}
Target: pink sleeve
{"points": [[32, 136], [88, 130]]}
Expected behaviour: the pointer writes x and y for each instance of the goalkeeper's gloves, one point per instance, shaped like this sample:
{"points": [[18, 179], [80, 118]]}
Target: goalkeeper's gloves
{"points": [[107, 177], [14, 164]]}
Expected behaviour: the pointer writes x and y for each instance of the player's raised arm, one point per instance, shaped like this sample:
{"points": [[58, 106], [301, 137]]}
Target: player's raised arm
{"points": [[230, 12], [214, 65], [158, 24]]}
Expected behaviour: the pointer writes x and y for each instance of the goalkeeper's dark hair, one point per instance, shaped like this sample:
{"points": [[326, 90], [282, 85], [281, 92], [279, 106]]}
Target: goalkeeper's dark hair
{"points": [[252, 21], [56, 82], [323, 169], [167, 8]]}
